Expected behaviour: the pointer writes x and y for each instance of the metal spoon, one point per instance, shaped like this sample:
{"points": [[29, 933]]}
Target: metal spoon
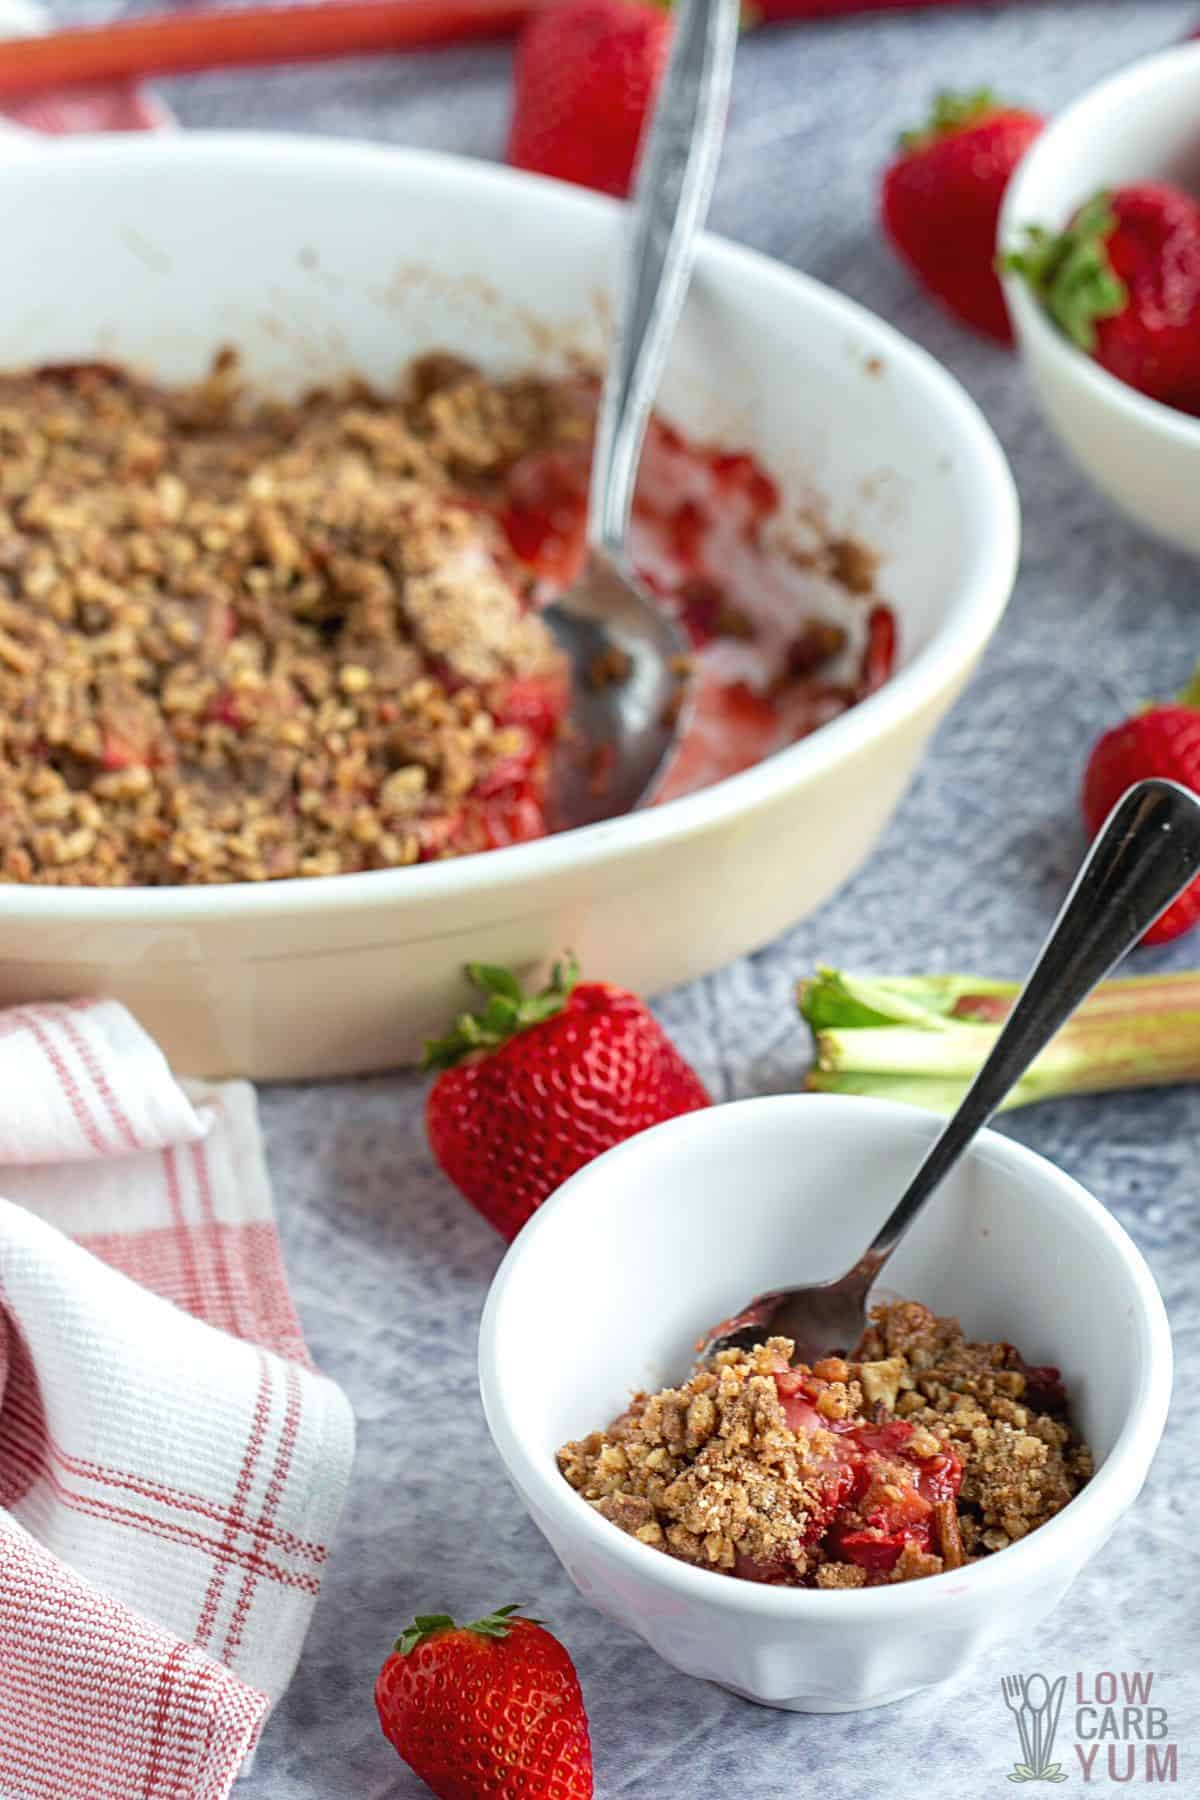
{"points": [[1146, 855], [623, 728]]}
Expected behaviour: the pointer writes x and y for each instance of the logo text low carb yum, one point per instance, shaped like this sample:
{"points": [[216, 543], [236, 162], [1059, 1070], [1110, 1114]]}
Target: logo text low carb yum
{"points": [[1121, 1730], [1121, 1733]]}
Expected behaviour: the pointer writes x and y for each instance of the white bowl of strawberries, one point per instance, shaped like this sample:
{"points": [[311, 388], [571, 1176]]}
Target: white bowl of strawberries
{"points": [[1100, 232]]}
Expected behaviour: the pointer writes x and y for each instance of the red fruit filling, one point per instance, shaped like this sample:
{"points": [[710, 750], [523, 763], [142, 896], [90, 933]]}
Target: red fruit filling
{"points": [[769, 671], [879, 1495]]}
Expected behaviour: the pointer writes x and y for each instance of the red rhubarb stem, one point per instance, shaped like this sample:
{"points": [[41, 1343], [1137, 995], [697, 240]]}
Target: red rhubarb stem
{"points": [[771, 11], [1129, 995], [185, 43], [188, 43]]}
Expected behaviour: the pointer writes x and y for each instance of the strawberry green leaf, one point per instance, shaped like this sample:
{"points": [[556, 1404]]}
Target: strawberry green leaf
{"points": [[495, 1624], [498, 1624], [1190, 696], [564, 975], [501, 1016], [539, 1007], [952, 111], [507, 1011], [1070, 272], [423, 1627], [494, 980]]}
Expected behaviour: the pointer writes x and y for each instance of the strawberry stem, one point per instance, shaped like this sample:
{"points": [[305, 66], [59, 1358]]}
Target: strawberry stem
{"points": [[923, 1038], [507, 1010], [1070, 272], [495, 1624], [423, 1627], [952, 111]]}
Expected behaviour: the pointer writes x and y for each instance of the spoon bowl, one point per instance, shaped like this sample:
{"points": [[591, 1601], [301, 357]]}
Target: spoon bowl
{"points": [[628, 659], [629, 662], [1037, 1692]]}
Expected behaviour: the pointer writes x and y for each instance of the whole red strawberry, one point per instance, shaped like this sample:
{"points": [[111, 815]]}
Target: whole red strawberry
{"points": [[490, 1708], [1123, 282], [941, 198], [1163, 742], [535, 1086], [585, 77]]}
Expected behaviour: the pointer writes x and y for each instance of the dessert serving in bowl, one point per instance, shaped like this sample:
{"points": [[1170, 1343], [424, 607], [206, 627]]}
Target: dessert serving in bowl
{"points": [[229, 825], [836, 1571]]}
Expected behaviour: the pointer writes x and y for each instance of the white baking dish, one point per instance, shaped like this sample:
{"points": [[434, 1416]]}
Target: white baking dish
{"points": [[315, 258]]}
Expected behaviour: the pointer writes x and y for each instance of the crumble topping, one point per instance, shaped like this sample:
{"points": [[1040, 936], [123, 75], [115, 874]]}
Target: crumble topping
{"points": [[712, 1468], [920, 1453], [242, 640]]}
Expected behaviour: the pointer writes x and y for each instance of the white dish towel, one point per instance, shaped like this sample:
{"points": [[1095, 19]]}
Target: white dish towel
{"points": [[171, 1466]]}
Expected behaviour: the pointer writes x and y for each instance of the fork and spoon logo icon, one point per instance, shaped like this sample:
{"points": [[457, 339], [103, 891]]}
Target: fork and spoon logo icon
{"points": [[1035, 1704]]}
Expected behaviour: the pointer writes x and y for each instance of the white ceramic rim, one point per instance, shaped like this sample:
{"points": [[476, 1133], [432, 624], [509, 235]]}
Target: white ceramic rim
{"points": [[1091, 1514], [1132, 87], [981, 601]]}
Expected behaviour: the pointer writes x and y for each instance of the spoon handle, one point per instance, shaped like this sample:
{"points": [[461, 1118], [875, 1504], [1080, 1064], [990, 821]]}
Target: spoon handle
{"points": [[674, 183], [1147, 853]]}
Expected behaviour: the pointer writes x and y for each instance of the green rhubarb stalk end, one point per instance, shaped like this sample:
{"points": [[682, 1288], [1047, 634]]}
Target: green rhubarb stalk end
{"points": [[922, 1039]]}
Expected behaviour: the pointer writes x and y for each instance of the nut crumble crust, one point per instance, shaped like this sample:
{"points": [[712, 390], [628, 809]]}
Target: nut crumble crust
{"points": [[712, 1472], [242, 640], [709, 1468], [1022, 1462]]}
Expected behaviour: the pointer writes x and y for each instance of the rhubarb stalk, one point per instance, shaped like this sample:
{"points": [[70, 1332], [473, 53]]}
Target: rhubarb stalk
{"points": [[922, 1038], [183, 43]]}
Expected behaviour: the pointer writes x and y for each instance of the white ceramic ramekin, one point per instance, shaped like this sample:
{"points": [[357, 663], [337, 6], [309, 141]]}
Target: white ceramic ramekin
{"points": [[1140, 125], [612, 1282], [316, 258]]}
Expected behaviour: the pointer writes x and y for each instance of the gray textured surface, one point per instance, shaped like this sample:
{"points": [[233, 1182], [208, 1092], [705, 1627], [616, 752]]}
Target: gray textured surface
{"points": [[390, 1268]]}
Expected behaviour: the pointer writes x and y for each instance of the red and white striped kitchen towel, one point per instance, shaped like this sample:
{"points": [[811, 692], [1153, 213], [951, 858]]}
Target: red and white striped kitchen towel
{"points": [[171, 1465]]}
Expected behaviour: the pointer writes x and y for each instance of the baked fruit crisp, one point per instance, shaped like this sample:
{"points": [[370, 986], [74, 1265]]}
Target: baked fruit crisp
{"points": [[919, 1453], [242, 639]]}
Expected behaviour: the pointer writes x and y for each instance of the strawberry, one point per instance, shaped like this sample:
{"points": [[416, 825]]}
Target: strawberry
{"points": [[488, 1708], [585, 77], [1123, 282], [535, 1086], [940, 202], [1164, 742]]}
